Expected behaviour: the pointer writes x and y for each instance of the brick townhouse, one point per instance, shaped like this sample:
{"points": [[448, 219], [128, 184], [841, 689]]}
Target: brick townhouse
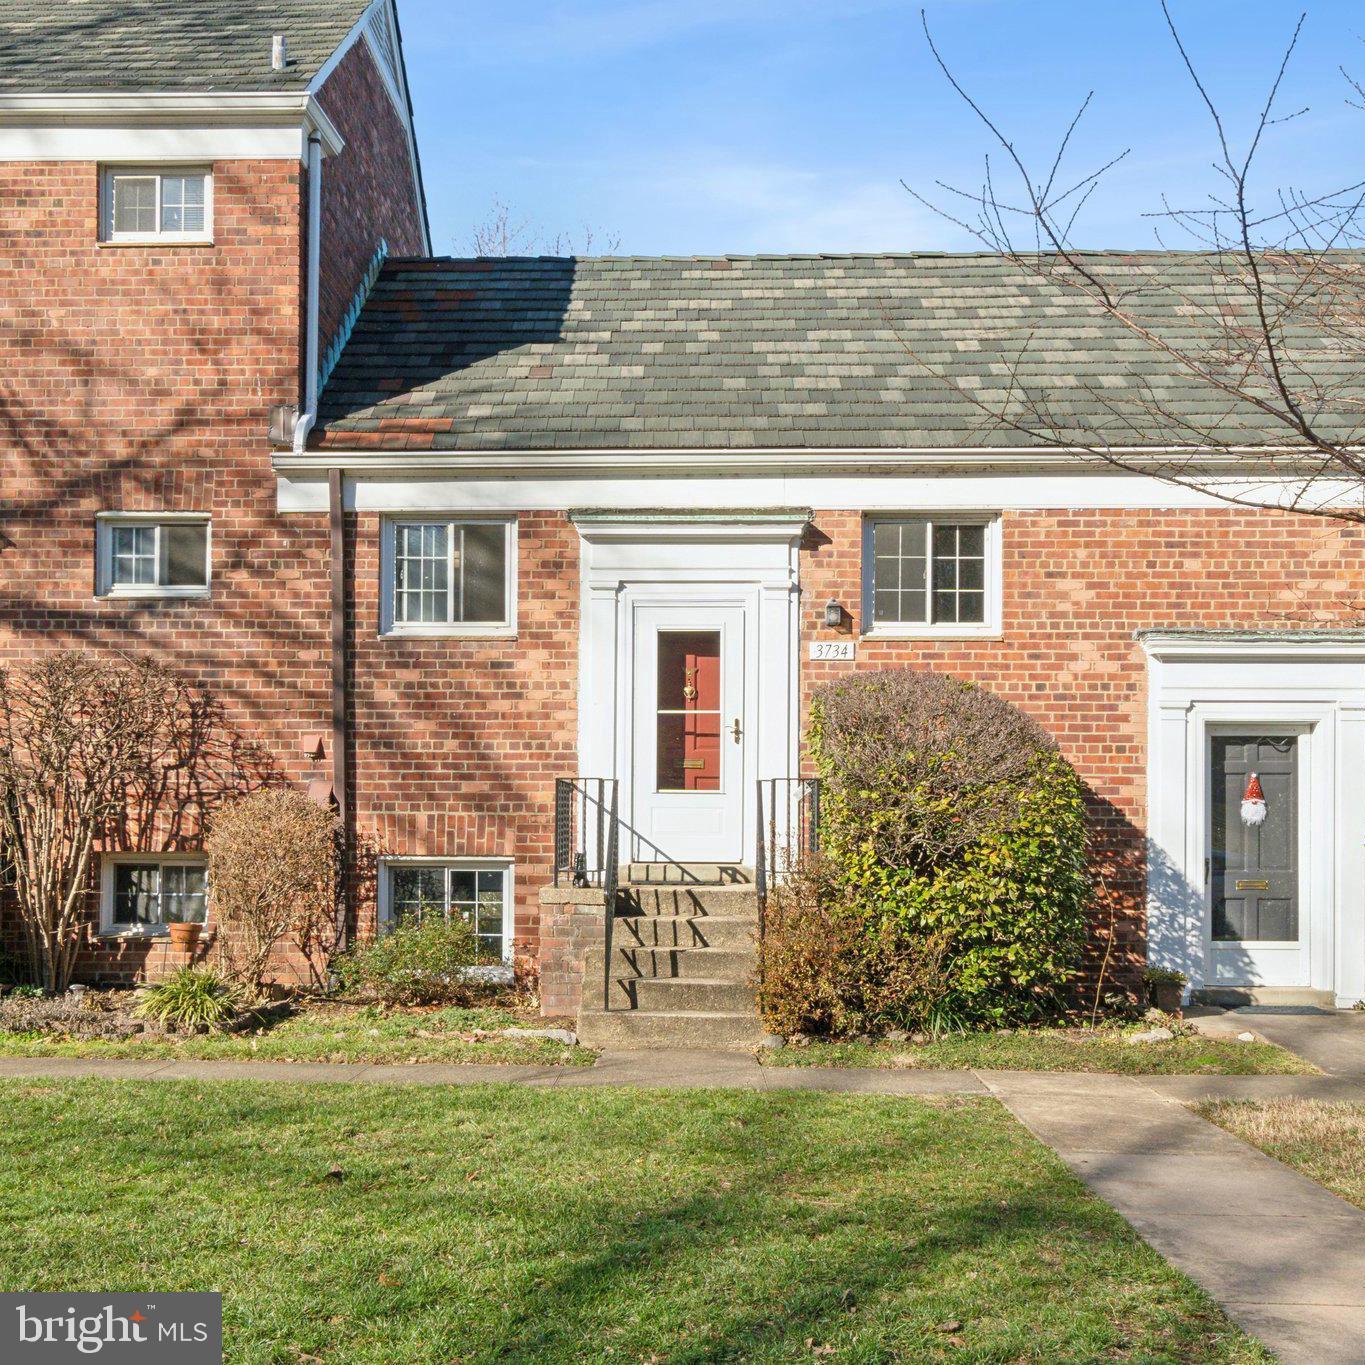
{"points": [[606, 523]]}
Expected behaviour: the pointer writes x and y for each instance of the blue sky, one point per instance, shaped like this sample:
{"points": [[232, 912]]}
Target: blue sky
{"points": [[682, 126]]}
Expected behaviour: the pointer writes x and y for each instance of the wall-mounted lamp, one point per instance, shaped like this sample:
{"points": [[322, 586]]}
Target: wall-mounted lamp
{"points": [[834, 614]]}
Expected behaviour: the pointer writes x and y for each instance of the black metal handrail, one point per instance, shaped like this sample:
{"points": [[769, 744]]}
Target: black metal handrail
{"points": [[584, 814], [588, 849], [788, 832]]}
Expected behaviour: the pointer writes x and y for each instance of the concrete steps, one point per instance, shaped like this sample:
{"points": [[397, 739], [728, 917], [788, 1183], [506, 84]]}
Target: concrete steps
{"points": [[682, 961]]}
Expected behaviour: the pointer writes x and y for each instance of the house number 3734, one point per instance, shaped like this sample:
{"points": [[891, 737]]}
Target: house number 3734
{"points": [[832, 649]]}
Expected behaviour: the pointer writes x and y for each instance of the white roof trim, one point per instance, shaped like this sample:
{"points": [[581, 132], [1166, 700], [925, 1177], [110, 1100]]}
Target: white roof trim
{"points": [[909, 458], [1177, 644], [177, 110]]}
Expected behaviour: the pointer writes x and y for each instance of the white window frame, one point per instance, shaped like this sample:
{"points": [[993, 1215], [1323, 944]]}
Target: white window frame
{"points": [[987, 628], [109, 170], [109, 862], [105, 522], [389, 865], [389, 625]]}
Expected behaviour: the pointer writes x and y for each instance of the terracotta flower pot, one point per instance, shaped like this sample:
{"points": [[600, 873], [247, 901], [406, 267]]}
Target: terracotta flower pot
{"points": [[185, 936]]}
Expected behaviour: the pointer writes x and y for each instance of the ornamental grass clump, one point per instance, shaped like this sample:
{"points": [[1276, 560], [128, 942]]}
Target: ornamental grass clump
{"points": [[191, 998], [952, 826]]}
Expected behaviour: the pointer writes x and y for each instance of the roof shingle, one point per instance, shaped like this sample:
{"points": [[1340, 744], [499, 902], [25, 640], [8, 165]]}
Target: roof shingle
{"points": [[786, 353], [166, 45]]}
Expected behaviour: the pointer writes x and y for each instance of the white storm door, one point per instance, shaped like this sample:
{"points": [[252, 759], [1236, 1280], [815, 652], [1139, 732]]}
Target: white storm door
{"points": [[689, 734]]}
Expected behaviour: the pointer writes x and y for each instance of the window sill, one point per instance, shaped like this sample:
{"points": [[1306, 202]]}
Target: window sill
{"points": [[449, 633], [163, 242], [134, 934], [117, 594], [935, 633]]}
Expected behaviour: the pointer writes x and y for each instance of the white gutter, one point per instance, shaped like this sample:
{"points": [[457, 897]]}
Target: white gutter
{"points": [[309, 415], [1250, 459]]}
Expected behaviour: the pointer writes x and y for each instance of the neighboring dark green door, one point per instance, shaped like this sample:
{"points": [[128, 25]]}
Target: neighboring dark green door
{"points": [[1254, 869]]}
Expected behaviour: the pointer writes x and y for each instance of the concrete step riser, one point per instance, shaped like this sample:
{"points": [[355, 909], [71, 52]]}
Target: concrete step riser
{"points": [[711, 964], [732, 935], [686, 874], [687, 901], [1234, 996], [681, 996], [624, 1028]]}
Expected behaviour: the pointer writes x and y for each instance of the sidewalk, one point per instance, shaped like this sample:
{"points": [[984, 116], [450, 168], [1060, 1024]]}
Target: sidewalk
{"points": [[1283, 1257]]}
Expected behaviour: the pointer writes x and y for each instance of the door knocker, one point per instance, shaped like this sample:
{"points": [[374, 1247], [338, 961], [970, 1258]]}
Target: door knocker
{"points": [[689, 686]]}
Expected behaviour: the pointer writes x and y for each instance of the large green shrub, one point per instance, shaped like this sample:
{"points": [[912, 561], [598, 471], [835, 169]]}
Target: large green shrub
{"points": [[949, 816], [424, 963]]}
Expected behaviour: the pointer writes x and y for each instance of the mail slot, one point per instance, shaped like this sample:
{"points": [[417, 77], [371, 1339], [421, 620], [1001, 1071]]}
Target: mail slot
{"points": [[1253, 884]]}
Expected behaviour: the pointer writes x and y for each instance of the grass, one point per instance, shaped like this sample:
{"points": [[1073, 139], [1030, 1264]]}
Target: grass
{"points": [[1054, 1050], [407, 1224], [334, 1033], [1324, 1141]]}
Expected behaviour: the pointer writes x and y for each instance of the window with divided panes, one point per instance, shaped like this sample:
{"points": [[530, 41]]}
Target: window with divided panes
{"points": [[927, 572]]}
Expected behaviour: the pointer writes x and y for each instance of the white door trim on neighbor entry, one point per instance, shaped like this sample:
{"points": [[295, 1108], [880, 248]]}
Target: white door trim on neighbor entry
{"points": [[1309, 684]]}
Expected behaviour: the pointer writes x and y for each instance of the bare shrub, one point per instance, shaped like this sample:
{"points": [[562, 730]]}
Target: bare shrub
{"points": [[273, 877], [923, 764], [823, 969], [100, 751]]}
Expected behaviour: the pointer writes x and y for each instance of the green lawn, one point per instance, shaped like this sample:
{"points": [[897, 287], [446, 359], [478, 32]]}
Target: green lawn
{"points": [[332, 1034], [499, 1223], [1325, 1141], [1054, 1050]]}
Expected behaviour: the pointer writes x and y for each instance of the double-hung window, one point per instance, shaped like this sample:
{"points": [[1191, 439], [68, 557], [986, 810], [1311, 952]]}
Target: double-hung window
{"points": [[149, 204], [477, 892], [928, 575], [148, 555], [449, 576], [144, 895]]}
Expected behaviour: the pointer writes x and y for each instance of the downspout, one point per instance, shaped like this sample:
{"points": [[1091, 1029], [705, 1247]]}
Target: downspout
{"points": [[309, 415], [336, 515]]}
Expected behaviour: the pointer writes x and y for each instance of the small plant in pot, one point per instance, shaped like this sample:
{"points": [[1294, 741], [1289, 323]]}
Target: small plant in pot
{"points": [[1165, 988]]}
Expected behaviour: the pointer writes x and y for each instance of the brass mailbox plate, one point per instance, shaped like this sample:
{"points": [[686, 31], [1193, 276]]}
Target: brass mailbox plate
{"points": [[1254, 884]]}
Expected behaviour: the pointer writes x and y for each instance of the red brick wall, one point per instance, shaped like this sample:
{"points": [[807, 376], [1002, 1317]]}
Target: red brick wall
{"points": [[368, 191], [1077, 585], [456, 742], [139, 378]]}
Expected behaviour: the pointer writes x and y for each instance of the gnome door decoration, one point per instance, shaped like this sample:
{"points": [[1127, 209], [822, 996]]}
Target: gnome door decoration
{"points": [[1253, 803]]}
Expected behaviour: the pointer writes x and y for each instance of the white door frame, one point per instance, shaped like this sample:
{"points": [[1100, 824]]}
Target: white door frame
{"points": [[1311, 682], [750, 559]]}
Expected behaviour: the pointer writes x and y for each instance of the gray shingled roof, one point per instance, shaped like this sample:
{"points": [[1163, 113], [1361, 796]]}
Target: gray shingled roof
{"points": [[781, 352], [166, 45]]}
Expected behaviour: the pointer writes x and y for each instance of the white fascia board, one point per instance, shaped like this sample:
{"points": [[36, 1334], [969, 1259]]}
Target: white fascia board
{"points": [[808, 459], [68, 126]]}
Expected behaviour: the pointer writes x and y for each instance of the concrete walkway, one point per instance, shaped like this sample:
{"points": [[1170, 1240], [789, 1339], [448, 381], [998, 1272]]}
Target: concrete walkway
{"points": [[1283, 1257]]}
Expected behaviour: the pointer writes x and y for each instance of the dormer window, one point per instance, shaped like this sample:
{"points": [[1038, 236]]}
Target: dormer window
{"points": [[148, 204]]}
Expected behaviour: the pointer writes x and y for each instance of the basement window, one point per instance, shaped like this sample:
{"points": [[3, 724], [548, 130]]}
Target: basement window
{"points": [[142, 894], [144, 204], [449, 577], [152, 555], [415, 890]]}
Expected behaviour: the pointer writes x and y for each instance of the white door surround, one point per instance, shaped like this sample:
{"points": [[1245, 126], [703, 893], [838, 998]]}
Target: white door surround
{"points": [[1311, 684], [736, 571]]}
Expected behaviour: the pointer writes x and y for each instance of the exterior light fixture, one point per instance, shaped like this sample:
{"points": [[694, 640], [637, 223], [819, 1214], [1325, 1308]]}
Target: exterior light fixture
{"points": [[834, 614]]}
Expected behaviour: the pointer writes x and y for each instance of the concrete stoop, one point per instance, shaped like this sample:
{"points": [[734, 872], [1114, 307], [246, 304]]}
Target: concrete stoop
{"points": [[682, 961]]}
